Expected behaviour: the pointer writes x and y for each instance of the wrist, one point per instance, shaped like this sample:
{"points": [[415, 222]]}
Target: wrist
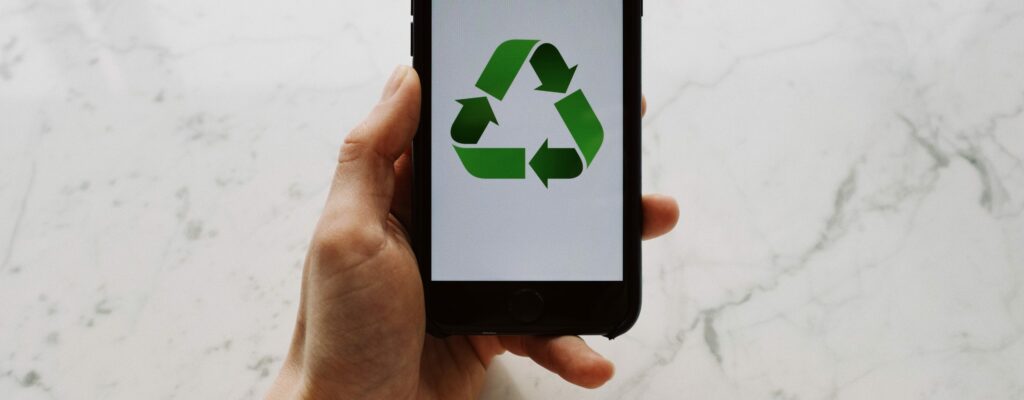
{"points": [[295, 383], [314, 389]]}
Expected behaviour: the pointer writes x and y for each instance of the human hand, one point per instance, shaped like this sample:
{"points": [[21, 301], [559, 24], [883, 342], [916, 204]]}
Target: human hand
{"points": [[360, 331]]}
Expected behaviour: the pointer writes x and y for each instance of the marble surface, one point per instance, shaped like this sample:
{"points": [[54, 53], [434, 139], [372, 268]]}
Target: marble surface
{"points": [[851, 175]]}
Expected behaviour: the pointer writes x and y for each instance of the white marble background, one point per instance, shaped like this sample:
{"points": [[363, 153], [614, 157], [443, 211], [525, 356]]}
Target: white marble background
{"points": [[851, 175]]}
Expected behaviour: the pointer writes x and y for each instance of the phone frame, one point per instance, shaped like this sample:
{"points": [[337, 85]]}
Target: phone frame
{"points": [[607, 308]]}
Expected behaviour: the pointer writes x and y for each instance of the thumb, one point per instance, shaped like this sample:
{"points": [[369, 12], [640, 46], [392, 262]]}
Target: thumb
{"points": [[364, 180]]}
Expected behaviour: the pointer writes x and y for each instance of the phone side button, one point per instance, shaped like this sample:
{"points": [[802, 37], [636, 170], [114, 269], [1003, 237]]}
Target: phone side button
{"points": [[412, 39], [526, 305]]}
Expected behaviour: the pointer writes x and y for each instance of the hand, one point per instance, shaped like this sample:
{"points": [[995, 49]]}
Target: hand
{"points": [[360, 332]]}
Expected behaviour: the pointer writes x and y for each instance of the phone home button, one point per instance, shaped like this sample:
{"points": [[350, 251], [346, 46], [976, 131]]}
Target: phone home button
{"points": [[526, 305]]}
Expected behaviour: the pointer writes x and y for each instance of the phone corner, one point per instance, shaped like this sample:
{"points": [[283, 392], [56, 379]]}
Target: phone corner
{"points": [[627, 322]]}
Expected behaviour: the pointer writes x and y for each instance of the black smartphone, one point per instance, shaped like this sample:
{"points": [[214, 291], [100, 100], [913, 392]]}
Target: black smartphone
{"points": [[526, 194]]}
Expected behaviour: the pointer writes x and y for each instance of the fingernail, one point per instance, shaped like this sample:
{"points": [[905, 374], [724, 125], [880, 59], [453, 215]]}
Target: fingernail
{"points": [[394, 82]]}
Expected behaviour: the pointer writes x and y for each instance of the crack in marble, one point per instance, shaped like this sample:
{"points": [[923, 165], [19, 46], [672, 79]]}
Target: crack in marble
{"points": [[31, 379], [993, 123], [994, 197], [8, 59], [711, 336], [832, 230], [729, 70], [636, 382], [11, 240], [263, 365], [940, 158]]}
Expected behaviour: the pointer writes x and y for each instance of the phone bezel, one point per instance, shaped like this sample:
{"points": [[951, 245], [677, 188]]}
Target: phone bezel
{"points": [[571, 307]]}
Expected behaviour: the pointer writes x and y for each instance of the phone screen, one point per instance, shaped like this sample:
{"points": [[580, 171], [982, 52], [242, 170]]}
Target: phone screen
{"points": [[527, 140]]}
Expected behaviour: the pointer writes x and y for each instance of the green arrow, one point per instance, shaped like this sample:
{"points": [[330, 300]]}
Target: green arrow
{"points": [[503, 66], [556, 163], [551, 68], [582, 122], [472, 120], [493, 163]]}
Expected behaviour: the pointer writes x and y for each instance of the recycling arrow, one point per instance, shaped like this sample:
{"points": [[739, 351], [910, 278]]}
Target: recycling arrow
{"points": [[547, 162], [503, 67], [556, 163], [551, 69], [476, 113], [493, 163], [582, 122]]}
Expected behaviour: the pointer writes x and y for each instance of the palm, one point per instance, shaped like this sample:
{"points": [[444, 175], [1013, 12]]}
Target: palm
{"points": [[375, 306]]}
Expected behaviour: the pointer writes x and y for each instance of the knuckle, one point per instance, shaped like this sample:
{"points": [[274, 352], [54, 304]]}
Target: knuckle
{"points": [[354, 147], [347, 242], [366, 142]]}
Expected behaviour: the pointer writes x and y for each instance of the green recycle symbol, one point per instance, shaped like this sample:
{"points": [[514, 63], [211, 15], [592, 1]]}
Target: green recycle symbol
{"points": [[510, 162]]}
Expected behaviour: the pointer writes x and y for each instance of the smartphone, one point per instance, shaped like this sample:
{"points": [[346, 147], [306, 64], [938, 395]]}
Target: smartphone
{"points": [[526, 193]]}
